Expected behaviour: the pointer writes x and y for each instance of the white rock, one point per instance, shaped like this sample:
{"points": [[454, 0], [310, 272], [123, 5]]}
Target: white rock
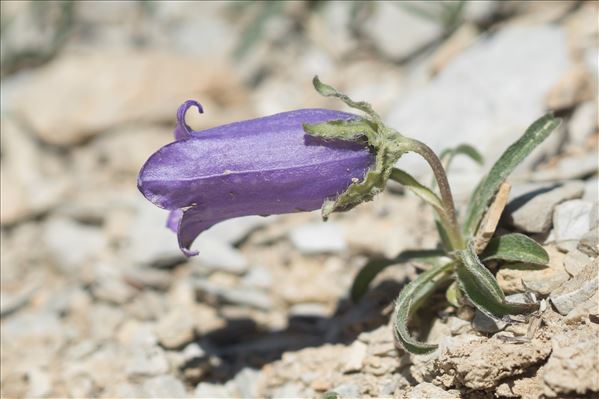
{"points": [[31, 181], [246, 383], [399, 32], [428, 390], [150, 241], [519, 277], [164, 386], [217, 255], [192, 351], [318, 238], [258, 277], [145, 86], [575, 261], [354, 358], [104, 320], [589, 243], [244, 296], [478, 98], [206, 390], [289, 390], [147, 362], [485, 324], [40, 383], [113, 290], [175, 329], [332, 27], [35, 336], [572, 219], [583, 123], [347, 390], [571, 167], [309, 310], [71, 244], [531, 208], [577, 290], [591, 190], [235, 230]]}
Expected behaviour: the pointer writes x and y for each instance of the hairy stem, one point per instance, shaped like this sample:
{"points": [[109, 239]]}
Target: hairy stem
{"points": [[436, 165]]}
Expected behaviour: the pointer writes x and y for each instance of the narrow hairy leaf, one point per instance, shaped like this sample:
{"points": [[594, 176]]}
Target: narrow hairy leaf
{"points": [[447, 155], [515, 153], [428, 196], [410, 299], [481, 288], [515, 247], [452, 294], [372, 268], [421, 191], [444, 236]]}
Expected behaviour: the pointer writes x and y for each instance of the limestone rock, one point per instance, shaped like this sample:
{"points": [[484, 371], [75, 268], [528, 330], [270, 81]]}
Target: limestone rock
{"points": [[573, 367], [542, 280], [127, 87], [573, 219], [318, 238], [532, 210], [398, 32], [577, 290]]}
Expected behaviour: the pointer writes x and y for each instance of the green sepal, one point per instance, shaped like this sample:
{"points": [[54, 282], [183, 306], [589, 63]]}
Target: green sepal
{"points": [[342, 130], [329, 91], [411, 297], [424, 193], [374, 266], [481, 288], [360, 191], [387, 144], [515, 247]]}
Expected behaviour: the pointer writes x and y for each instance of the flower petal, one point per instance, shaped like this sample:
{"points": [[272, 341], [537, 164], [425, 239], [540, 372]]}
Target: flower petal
{"points": [[173, 220], [183, 130], [253, 155]]}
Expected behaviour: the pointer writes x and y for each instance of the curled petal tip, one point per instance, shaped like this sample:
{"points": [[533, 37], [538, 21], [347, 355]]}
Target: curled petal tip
{"points": [[183, 130], [188, 252]]}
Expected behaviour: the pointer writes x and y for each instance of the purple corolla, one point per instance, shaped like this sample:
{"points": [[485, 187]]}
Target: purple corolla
{"points": [[261, 166]]}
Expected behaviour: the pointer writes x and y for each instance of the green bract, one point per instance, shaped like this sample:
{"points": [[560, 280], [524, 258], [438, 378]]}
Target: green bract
{"points": [[388, 144], [458, 260]]}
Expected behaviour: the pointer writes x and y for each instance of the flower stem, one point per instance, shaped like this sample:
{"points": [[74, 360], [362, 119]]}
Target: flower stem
{"points": [[453, 230]]}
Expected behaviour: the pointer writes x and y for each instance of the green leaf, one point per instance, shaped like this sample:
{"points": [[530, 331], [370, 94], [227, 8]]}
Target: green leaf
{"points": [[515, 247], [421, 191], [444, 236], [515, 153], [481, 288], [428, 196], [411, 297], [453, 294], [373, 267], [447, 155]]}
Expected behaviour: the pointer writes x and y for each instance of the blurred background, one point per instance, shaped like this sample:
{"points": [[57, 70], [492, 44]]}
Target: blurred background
{"points": [[96, 299]]}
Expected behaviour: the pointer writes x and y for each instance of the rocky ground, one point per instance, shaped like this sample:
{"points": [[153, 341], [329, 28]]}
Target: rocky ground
{"points": [[97, 300]]}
